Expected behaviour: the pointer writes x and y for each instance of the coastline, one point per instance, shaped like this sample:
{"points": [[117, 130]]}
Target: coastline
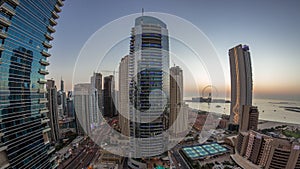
{"points": [[266, 124]]}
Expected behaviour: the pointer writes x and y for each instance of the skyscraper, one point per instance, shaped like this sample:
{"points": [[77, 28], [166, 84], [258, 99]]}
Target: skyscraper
{"points": [[149, 87], [108, 97], [123, 104], [177, 117], [250, 118], [70, 106], [96, 80], [26, 28], [241, 82], [86, 106], [62, 85], [53, 110], [62, 99]]}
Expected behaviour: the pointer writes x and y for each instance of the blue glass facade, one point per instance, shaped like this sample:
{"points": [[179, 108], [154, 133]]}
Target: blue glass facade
{"points": [[25, 35]]}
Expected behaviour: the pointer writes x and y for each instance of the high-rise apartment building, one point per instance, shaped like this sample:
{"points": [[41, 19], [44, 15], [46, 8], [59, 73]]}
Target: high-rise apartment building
{"points": [[96, 81], [70, 107], [123, 101], [148, 88], [53, 110], [62, 85], [249, 117], [25, 36], [108, 97], [86, 106], [241, 82], [265, 151], [178, 117]]}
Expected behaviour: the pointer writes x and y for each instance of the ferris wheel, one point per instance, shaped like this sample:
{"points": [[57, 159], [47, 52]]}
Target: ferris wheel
{"points": [[208, 91]]}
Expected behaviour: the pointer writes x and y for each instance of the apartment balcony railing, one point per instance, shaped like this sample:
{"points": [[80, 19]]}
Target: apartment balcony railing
{"points": [[7, 9], [51, 29], [45, 53], [45, 120], [57, 8], [53, 158], [47, 129], [1, 47], [55, 166], [42, 90], [43, 100], [52, 22], [42, 81], [60, 3], [55, 15], [48, 36], [44, 111], [51, 149], [47, 45], [44, 62], [3, 34], [43, 71], [14, 2], [4, 21]]}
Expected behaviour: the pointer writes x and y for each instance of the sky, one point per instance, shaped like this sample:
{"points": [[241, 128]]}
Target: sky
{"points": [[271, 28]]}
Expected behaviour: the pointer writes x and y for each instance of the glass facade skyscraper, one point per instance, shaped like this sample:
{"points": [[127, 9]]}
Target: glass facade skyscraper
{"points": [[25, 36], [149, 86]]}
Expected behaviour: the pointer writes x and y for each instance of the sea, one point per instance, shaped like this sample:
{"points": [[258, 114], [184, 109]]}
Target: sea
{"points": [[269, 109]]}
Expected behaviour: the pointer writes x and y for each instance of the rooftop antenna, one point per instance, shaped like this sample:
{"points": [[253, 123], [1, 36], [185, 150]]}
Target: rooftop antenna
{"points": [[142, 15]]}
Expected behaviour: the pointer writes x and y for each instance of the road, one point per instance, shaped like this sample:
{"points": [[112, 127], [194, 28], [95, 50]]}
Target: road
{"points": [[81, 158], [178, 160]]}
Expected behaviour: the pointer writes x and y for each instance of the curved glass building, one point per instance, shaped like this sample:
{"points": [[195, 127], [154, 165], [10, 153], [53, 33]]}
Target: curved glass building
{"points": [[149, 86], [25, 35]]}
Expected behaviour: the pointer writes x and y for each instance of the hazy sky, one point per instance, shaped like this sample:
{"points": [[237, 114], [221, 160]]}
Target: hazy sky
{"points": [[270, 28]]}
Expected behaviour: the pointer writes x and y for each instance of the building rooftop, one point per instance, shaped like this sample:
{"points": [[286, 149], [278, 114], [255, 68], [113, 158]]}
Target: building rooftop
{"points": [[204, 150]]}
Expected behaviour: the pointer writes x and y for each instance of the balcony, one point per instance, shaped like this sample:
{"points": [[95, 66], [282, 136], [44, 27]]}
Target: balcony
{"points": [[57, 8], [51, 29], [7, 9], [4, 21], [45, 120], [55, 15], [4, 163], [53, 158], [51, 149], [42, 91], [55, 166], [2, 148], [60, 3], [45, 53], [46, 142], [3, 34], [14, 2], [42, 81], [44, 111], [48, 36], [1, 47], [52, 22], [43, 71], [46, 130], [43, 100], [44, 62], [47, 45]]}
